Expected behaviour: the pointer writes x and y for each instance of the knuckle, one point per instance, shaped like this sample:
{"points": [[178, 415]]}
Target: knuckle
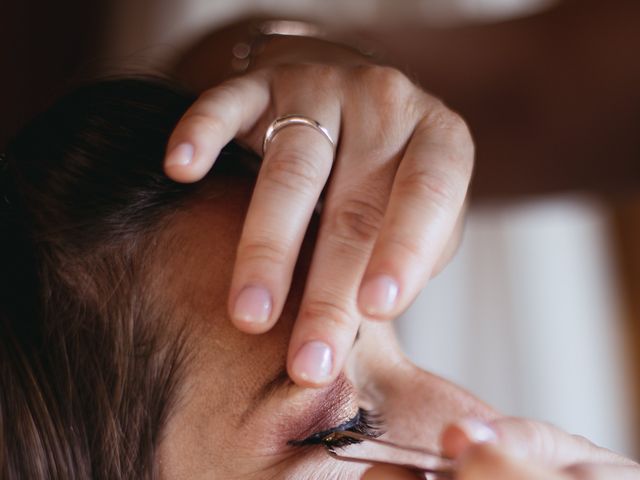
{"points": [[390, 85], [394, 102], [356, 220], [441, 116], [323, 74], [450, 124], [262, 251], [386, 78], [334, 316], [540, 438], [411, 246], [438, 189], [293, 168]]}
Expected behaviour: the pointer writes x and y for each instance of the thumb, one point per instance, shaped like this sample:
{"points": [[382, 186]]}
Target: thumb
{"points": [[388, 473], [535, 441]]}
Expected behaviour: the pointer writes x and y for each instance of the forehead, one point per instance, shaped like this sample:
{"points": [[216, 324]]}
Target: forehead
{"points": [[226, 367], [199, 256], [201, 244]]}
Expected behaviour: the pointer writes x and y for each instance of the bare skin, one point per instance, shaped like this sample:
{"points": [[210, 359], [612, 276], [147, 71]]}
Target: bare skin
{"points": [[210, 435], [218, 430]]}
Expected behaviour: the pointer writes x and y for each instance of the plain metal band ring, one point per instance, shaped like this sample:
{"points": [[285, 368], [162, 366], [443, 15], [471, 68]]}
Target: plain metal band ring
{"points": [[289, 120]]}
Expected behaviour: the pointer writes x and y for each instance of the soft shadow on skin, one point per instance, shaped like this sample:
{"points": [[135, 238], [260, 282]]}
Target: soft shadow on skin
{"points": [[238, 410]]}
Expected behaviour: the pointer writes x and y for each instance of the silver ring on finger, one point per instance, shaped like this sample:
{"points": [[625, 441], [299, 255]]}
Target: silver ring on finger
{"points": [[289, 120]]}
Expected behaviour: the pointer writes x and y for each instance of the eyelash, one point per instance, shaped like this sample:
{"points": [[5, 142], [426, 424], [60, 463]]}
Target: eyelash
{"points": [[365, 422]]}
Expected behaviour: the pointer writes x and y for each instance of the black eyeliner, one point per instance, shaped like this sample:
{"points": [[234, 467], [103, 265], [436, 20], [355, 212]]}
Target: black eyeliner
{"points": [[364, 422]]}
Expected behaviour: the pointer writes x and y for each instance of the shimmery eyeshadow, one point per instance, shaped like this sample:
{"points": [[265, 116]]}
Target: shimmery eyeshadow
{"points": [[334, 405], [318, 437]]}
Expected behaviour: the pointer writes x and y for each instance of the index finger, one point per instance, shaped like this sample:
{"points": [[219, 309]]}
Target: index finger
{"points": [[217, 116]]}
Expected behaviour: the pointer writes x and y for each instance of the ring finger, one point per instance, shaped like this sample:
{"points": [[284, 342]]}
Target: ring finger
{"points": [[294, 171]]}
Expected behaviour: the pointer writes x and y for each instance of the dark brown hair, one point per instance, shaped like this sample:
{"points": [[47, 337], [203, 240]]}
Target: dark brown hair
{"points": [[88, 372]]}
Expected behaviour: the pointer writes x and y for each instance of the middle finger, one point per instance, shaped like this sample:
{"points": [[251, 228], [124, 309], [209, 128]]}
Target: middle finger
{"points": [[354, 208]]}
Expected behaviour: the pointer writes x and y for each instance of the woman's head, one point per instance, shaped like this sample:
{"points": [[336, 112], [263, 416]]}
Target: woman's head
{"points": [[117, 359], [87, 372]]}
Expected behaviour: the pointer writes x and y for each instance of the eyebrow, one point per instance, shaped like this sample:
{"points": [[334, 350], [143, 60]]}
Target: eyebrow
{"points": [[280, 380]]}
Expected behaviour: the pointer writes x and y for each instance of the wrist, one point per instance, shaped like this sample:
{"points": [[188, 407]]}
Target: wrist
{"points": [[276, 42], [285, 49]]}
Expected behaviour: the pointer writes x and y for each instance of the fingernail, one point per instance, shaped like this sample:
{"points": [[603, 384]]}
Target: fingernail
{"points": [[180, 156], [477, 431], [378, 296], [313, 362], [253, 305]]}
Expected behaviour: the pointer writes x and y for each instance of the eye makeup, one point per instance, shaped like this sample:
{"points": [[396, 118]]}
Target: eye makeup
{"points": [[364, 422]]}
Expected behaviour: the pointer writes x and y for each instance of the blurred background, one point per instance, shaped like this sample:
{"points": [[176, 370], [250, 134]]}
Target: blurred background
{"points": [[539, 313]]}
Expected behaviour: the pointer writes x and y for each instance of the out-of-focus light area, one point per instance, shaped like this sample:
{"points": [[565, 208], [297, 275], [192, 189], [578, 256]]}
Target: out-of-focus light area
{"points": [[539, 312], [529, 317], [167, 25]]}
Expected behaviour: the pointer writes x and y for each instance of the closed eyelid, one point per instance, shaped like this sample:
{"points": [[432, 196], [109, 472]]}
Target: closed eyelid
{"points": [[286, 411], [280, 380]]}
